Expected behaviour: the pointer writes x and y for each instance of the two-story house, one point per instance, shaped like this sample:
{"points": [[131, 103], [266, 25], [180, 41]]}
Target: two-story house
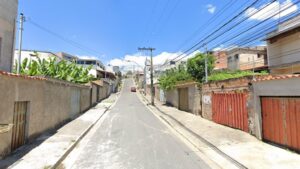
{"points": [[247, 58], [66, 56], [97, 66], [34, 55], [284, 48], [8, 15]]}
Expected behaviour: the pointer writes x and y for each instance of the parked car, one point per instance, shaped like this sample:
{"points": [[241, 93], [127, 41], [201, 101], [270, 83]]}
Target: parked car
{"points": [[133, 89]]}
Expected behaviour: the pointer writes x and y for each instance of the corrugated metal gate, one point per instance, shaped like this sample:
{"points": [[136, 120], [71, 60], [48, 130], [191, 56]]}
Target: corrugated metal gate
{"points": [[19, 125], [230, 109], [281, 121], [183, 99]]}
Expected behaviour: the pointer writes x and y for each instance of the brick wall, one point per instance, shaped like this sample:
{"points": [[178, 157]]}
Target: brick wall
{"points": [[229, 86]]}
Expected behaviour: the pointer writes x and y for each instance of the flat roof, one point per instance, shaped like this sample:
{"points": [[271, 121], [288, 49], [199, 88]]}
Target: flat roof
{"points": [[277, 33]]}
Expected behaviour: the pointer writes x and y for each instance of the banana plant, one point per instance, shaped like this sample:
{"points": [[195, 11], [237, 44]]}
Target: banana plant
{"points": [[60, 70]]}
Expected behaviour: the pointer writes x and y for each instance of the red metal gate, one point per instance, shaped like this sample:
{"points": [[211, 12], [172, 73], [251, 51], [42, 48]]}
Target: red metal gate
{"points": [[230, 109], [281, 121]]}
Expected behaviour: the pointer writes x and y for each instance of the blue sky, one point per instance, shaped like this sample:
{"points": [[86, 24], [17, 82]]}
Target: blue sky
{"points": [[115, 28]]}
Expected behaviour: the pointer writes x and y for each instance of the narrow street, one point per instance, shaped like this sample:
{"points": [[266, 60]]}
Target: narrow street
{"points": [[130, 137]]}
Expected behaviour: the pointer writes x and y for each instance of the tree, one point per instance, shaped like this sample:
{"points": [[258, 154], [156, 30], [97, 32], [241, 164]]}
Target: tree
{"points": [[60, 70], [129, 72], [172, 76], [196, 66]]}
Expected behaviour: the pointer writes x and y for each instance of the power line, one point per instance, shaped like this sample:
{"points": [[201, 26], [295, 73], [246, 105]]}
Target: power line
{"points": [[206, 24], [70, 42], [231, 38], [218, 29], [250, 27]]}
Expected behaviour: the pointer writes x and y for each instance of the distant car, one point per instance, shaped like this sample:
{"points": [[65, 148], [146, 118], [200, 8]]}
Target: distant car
{"points": [[133, 89]]}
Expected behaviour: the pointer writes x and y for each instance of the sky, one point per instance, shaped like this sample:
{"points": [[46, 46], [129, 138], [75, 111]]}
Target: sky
{"points": [[112, 30]]}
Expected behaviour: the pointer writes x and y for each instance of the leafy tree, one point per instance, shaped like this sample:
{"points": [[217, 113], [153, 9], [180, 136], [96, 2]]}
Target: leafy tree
{"points": [[196, 66], [172, 76], [52, 68], [129, 73]]}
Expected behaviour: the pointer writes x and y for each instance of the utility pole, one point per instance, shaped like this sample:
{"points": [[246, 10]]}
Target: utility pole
{"points": [[22, 19], [145, 78], [151, 70], [206, 71]]}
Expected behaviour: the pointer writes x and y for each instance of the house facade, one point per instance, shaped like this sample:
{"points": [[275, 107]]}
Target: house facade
{"points": [[97, 66], [34, 55], [8, 16], [67, 56], [283, 48], [247, 58], [221, 60]]}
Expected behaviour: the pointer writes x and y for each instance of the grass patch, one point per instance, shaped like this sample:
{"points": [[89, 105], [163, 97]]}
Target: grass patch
{"points": [[224, 75]]}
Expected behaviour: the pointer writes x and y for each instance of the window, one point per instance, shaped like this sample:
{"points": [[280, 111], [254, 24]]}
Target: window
{"points": [[89, 62], [229, 59], [259, 55], [236, 56]]}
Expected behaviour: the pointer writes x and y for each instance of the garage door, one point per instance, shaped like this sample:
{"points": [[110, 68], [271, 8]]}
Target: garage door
{"points": [[230, 109], [281, 121], [183, 99]]}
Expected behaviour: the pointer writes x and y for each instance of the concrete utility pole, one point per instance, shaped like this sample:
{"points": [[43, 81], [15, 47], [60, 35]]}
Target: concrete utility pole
{"points": [[145, 78], [22, 19], [206, 71], [151, 72]]}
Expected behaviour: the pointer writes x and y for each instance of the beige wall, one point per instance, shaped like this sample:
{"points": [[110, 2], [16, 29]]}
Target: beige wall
{"points": [[284, 55], [172, 97], [94, 94], [51, 103], [246, 59], [8, 14], [194, 100]]}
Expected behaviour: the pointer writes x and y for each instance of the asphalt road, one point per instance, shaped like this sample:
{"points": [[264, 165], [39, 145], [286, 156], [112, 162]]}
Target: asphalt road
{"points": [[131, 137]]}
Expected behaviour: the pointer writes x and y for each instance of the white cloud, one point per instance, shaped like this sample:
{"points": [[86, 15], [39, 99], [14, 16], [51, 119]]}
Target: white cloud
{"points": [[287, 7], [140, 59], [211, 8]]}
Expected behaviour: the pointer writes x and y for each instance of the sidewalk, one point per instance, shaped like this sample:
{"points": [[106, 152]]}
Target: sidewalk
{"points": [[227, 147], [50, 149]]}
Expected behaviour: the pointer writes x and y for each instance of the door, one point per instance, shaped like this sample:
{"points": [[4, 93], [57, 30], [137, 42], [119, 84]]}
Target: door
{"points": [[281, 121], [183, 99], [75, 102], [19, 125], [230, 109]]}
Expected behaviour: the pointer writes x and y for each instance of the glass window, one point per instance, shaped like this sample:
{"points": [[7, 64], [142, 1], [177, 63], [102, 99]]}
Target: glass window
{"points": [[89, 62]]}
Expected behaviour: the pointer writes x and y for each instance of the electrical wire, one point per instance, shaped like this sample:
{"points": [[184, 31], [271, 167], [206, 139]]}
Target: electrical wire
{"points": [[70, 42]]}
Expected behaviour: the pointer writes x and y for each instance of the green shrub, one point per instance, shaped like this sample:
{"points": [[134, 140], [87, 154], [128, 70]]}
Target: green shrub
{"points": [[224, 75]]}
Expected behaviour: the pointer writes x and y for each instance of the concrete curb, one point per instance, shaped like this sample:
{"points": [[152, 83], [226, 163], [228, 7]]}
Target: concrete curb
{"points": [[73, 145], [235, 163]]}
